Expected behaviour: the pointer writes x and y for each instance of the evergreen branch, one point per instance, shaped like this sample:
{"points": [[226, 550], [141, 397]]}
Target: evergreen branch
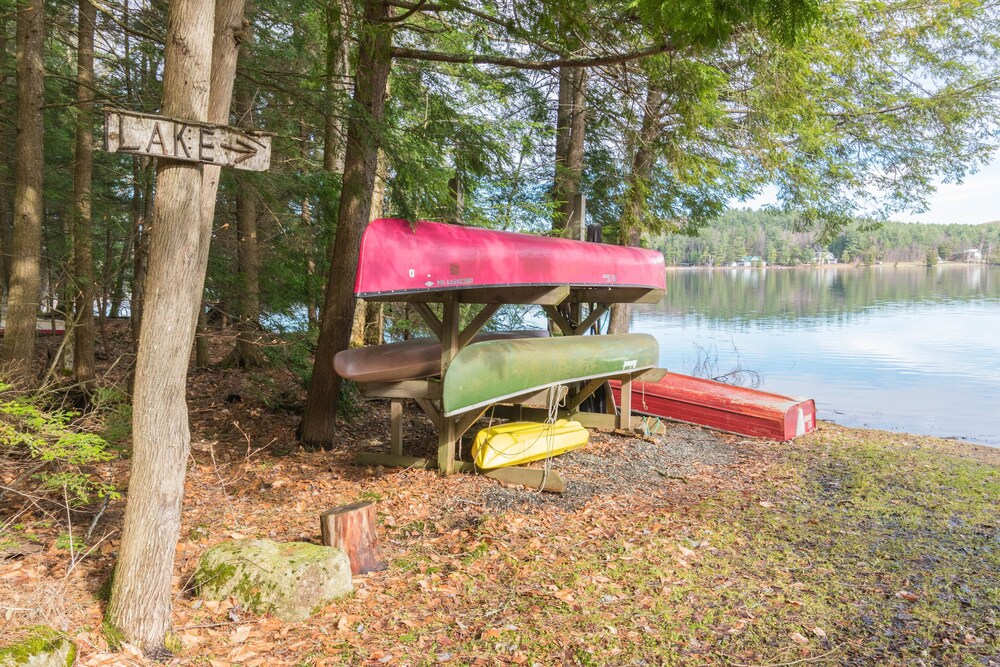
{"points": [[522, 63]]}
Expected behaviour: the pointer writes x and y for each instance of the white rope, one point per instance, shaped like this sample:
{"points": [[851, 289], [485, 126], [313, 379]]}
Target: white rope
{"points": [[554, 401]]}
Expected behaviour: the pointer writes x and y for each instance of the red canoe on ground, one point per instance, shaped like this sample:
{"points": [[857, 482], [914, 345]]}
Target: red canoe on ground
{"points": [[42, 328], [399, 258], [722, 406]]}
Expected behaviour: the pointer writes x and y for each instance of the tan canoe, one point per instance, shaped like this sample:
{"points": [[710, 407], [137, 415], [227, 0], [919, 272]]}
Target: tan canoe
{"points": [[406, 360]]}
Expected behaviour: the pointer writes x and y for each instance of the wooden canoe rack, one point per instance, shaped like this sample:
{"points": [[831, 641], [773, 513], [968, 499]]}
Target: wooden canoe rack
{"points": [[461, 270], [531, 406]]}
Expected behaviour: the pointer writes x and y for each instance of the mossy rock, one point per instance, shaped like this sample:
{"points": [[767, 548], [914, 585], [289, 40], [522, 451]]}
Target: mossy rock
{"points": [[43, 647], [291, 580]]}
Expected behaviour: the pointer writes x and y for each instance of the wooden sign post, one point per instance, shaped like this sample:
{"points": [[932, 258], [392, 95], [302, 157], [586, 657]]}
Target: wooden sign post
{"points": [[156, 136]]}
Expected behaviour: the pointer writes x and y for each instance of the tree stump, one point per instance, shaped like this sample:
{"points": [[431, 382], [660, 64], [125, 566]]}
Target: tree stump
{"points": [[353, 529]]}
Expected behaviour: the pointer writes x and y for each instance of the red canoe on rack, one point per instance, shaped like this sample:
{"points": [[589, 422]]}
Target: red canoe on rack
{"points": [[400, 259], [722, 406]]}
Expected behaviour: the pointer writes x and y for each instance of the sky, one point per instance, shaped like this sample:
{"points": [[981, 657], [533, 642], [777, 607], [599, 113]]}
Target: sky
{"points": [[974, 201]]}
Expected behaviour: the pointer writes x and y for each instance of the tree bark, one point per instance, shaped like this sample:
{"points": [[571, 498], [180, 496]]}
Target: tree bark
{"points": [[247, 352], [570, 132], [83, 166], [564, 116], [141, 592], [5, 180], [18, 347], [360, 164], [201, 357], [116, 272], [144, 176], [305, 217], [358, 324], [366, 313], [574, 152], [374, 323], [636, 194], [353, 529], [312, 311], [338, 85], [229, 32]]}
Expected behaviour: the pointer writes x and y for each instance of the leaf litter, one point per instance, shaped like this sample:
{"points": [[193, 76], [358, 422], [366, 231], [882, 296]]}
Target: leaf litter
{"points": [[689, 548]]}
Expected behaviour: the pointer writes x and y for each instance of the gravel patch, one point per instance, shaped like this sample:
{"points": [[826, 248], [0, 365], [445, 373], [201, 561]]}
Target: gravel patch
{"points": [[621, 465]]}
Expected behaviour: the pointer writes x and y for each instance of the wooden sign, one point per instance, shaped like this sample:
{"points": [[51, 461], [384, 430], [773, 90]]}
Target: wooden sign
{"points": [[156, 136]]}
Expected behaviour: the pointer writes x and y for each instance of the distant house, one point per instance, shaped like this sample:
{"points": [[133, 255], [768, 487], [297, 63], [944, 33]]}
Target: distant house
{"points": [[750, 260], [824, 257], [970, 255]]}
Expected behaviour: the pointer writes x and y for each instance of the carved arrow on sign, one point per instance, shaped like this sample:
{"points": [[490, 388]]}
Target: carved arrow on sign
{"points": [[159, 137], [244, 150]]}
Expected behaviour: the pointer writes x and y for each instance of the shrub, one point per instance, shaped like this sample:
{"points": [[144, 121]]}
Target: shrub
{"points": [[59, 452]]}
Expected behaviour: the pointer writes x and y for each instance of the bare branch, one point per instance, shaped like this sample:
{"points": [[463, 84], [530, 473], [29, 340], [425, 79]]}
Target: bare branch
{"points": [[407, 14]]}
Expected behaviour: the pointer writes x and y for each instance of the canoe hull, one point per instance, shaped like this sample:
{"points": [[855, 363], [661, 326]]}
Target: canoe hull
{"points": [[724, 407], [42, 327], [399, 258], [515, 443], [406, 360], [492, 371]]}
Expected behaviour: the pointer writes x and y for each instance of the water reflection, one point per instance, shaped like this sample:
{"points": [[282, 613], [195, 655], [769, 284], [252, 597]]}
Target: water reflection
{"points": [[912, 349]]}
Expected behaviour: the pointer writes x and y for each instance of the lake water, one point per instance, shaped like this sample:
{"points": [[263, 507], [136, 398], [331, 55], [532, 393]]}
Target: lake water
{"points": [[909, 349]]}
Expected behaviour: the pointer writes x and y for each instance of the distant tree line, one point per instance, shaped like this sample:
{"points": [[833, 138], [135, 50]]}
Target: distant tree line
{"points": [[779, 239]]}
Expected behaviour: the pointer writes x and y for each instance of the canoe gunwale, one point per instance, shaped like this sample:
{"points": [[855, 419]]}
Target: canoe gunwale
{"points": [[530, 392], [475, 294]]}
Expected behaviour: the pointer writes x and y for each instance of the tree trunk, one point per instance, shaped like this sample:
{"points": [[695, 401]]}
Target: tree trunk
{"points": [[140, 603], [18, 347], [5, 180], [570, 130], [83, 163], [358, 324], [305, 217], [374, 323], [117, 296], [636, 194], [564, 115], [574, 153], [374, 60], [229, 32], [247, 351], [363, 312], [354, 529], [373, 319], [201, 358], [312, 311], [338, 84], [4, 231], [145, 181]]}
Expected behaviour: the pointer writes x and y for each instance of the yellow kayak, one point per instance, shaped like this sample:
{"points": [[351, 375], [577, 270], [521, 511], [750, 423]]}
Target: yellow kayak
{"points": [[522, 442]]}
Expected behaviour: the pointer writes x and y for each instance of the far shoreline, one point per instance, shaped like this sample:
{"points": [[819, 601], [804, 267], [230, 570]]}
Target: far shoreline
{"points": [[839, 266]]}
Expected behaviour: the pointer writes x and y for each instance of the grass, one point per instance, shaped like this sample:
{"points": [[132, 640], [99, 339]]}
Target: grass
{"points": [[847, 547], [856, 551]]}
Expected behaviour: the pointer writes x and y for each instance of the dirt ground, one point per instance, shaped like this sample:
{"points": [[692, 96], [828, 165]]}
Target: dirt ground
{"points": [[473, 564]]}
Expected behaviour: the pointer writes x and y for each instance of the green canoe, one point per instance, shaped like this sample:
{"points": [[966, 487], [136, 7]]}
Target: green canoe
{"points": [[492, 371]]}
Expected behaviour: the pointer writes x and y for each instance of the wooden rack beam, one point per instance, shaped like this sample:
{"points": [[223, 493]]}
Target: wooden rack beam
{"points": [[429, 318], [477, 323]]}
